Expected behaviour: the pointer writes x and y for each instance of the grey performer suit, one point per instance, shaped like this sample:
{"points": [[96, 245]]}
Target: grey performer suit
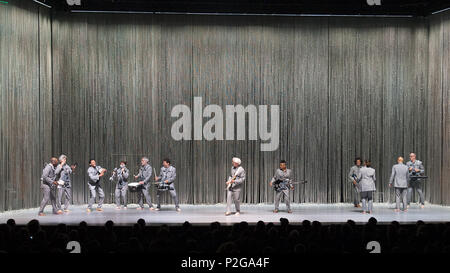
{"points": [[399, 178], [94, 186], [144, 175], [48, 188], [169, 174], [234, 192], [415, 183], [65, 190], [352, 174], [366, 183], [121, 186], [285, 177]]}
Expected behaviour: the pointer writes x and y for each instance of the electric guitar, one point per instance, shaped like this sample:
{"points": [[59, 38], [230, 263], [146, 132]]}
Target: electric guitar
{"points": [[280, 183], [357, 186], [238, 172]]}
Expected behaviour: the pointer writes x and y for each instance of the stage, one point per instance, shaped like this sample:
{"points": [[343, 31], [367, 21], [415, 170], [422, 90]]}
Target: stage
{"points": [[205, 214]]}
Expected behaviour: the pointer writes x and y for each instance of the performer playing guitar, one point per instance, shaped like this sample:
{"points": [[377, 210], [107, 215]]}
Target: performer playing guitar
{"points": [[234, 184], [282, 183]]}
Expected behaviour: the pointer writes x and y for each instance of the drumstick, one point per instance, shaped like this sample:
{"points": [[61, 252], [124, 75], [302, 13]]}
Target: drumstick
{"points": [[154, 170]]}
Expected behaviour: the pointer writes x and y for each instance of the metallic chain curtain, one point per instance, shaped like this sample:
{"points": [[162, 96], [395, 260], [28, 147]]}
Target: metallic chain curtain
{"points": [[103, 86]]}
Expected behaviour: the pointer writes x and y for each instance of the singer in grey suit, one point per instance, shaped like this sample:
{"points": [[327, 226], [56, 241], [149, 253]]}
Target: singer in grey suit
{"points": [[121, 174], [64, 172], [48, 186], [399, 179], [235, 181]]}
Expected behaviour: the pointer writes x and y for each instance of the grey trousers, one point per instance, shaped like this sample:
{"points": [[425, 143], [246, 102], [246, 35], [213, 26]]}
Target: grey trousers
{"points": [[67, 193], [367, 197], [143, 192], [96, 189], [356, 196], [400, 197], [121, 193], [418, 188], [234, 196], [48, 195], [278, 195], [173, 193]]}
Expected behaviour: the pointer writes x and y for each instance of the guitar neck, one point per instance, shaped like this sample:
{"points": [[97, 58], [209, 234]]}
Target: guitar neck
{"points": [[299, 182]]}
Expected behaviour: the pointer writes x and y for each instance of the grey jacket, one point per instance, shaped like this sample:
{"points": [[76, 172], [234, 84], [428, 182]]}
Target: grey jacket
{"points": [[145, 173], [285, 176], [64, 173], [93, 174], [366, 178], [167, 174], [240, 178], [416, 165], [122, 176], [399, 176], [48, 175], [354, 171]]}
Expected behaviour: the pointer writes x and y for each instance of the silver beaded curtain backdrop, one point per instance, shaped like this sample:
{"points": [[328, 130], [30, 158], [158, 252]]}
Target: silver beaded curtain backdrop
{"points": [[106, 86]]}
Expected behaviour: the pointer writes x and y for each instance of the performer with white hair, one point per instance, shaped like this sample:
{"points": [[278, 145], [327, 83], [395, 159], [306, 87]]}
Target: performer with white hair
{"points": [[144, 175], [234, 185], [64, 187]]}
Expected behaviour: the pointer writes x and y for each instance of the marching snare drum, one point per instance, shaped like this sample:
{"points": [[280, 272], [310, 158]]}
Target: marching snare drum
{"points": [[133, 186], [161, 186]]}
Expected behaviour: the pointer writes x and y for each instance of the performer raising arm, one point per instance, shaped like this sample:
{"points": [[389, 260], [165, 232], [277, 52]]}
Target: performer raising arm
{"points": [[95, 173], [282, 178], [234, 185], [167, 175], [121, 174], [65, 188]]}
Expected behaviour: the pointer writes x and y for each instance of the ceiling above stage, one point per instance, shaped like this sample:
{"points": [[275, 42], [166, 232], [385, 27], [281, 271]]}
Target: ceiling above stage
{"points": [[256, 7]]}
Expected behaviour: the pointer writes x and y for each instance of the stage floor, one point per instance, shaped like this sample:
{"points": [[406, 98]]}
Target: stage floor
{"points": [[205, 214]]}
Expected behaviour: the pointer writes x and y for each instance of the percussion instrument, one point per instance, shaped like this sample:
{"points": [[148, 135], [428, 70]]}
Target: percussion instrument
{"points": [[133, 186], [60, 184], [162, 186]]}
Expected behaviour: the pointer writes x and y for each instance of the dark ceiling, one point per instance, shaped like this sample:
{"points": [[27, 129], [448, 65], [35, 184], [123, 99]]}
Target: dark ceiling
{"points": [[258, 7]]}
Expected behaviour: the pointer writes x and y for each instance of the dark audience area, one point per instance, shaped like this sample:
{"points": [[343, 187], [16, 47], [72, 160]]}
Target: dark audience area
{"points": [[240, 238]]}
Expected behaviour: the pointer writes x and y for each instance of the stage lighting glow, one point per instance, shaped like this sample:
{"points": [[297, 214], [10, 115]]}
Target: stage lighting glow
{"points": [[41, 3], [240, 14], [439, 11]]}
